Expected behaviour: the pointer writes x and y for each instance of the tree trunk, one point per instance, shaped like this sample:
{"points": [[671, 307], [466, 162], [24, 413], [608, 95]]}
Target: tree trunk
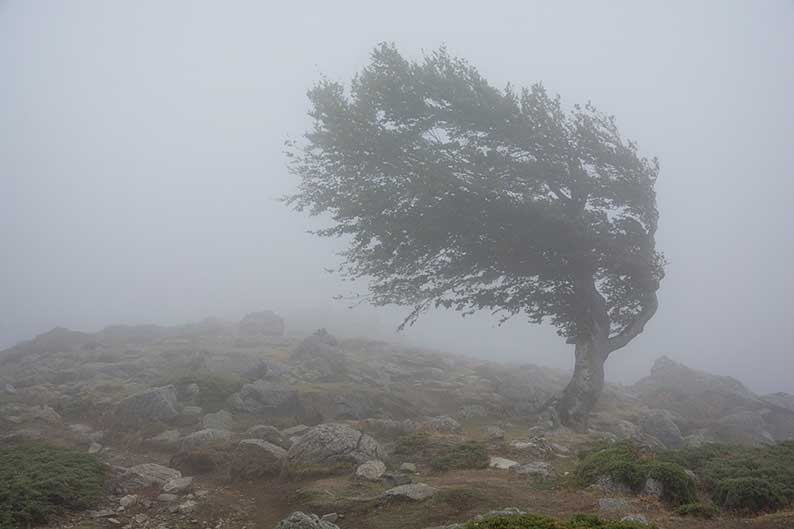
{"points": [[580, 396]]}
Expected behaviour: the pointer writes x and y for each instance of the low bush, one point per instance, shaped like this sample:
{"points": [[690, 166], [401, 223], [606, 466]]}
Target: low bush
{"points": [[532, 521], [740, 478], [630, 466], [748, 495], [697, 510], [37, 480], [466, 455]]}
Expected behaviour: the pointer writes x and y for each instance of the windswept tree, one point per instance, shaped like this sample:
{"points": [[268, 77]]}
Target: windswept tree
{"points": [[453, 193]]}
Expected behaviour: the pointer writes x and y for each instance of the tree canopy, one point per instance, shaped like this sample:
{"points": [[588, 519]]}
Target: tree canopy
{"points": [[454, 193]]}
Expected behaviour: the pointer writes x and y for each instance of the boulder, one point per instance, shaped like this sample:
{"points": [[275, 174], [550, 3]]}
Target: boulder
{"points": [[126, 480], [331, 448], [501, 463], [319, 358], [205, 437], [268, 399], [301, 520], [536, 468], [659, 425], [743, 427], [440, 424], [636, 518], [155, 404], [222, 420], [412, 491], [494, 433], [371, 470], [255, 458], [166, 439], [269, 434], [265, 323], [178, 485], [408, 467], [613, 505]]}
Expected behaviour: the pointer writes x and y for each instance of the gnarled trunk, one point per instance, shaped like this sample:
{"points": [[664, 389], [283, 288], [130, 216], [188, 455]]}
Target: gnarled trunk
{"points": [[578, 399]]}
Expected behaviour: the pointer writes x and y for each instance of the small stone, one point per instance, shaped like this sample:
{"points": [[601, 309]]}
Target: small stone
{"points": [[128, 500], [494, 433], [188, 507], [167, 498], [501, 463], [371, 470], [11, 390], [95, 448], [330, 517], [537, 468], [114, 521], [408, 467], [178, 485], [414, 491], [638, 518]]}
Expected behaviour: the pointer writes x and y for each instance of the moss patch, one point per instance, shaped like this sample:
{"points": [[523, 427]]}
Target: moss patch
{"points": [[37, 480]]}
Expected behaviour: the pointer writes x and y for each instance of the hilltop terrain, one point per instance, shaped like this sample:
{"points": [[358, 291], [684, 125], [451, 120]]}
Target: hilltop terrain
{"points": [[225, 425]]}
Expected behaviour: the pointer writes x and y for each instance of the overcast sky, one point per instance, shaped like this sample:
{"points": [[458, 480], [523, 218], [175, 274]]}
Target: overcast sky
{"points": [[141, 159]]}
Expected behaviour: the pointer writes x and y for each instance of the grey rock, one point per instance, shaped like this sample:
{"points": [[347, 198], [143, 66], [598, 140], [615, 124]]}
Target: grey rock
{"points": [[637, 518], [494, 433], [330, 517], [128, 500], [607, 484], [295, 431], [329, 448], [166, 439], [744, 427], [45, 414], [156, 404], [178, 485], [268, 399], [509, 511], [301, 520], [11, 390], [412, 491], [660, 425], [187, 507], [408, 467], [371, 470], [501, 463], [653, 487], [221, 420], [94, 448], [192, 411], [256, 458], [269, 434], [127, 480], [205, 437], [440, 424]]}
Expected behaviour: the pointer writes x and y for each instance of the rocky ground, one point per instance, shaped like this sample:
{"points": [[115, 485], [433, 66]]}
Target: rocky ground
{"points": [[224, 425]]}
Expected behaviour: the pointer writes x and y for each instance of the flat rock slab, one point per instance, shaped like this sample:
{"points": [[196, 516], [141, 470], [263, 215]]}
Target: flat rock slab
{"points": [[501, 463], [413, 491]]}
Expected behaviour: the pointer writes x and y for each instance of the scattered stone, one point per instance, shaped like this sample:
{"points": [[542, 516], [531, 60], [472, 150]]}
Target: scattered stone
{"points": [[301, 520], [637, 518], [178, 485], [205, 437], [413, 491], [95, 448], [331, 448], [494, 433], [613, 505], [167, 498], [222, 420], [128, 500], [156, 404], [255, 458], [371, 470], [408, 467], [330, 517], [152, 473], [501, 463], [188, 507], [536, 468], [659, 424], [269, 434]]}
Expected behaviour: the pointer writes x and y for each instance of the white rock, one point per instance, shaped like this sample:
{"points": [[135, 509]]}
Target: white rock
{"points": [[501, 463], [178, 485], [413, 491], [128, 500], [408, 467], [371, 470]]}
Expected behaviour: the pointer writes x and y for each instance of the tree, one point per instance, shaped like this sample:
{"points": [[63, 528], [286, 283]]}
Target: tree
{"points": [[455, 194]]}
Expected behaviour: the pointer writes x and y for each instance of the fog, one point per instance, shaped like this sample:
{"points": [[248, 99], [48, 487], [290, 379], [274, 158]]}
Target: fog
{"points": [[141, 161]]}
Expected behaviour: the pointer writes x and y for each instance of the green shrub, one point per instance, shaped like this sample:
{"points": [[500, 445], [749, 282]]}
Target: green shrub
{"points": [[697, 510], [37, 480], [719, 465], [469, 454], [533, 521], [748, 495], [630, 466]]}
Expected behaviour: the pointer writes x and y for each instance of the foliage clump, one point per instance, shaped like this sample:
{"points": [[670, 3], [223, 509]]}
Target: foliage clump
{"points": [[214, 389], [697, 510], [533, 521], [466, 455], [628, 465], [740, 478], [38, 480]]}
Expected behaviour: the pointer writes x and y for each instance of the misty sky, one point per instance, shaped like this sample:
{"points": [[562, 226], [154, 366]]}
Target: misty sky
{"points": [[141, 159]]}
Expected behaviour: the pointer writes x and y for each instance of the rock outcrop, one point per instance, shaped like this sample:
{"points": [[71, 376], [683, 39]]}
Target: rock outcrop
{"points": [[331, 448]]}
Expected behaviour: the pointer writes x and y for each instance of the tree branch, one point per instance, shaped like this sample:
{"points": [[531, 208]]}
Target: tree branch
{"points": [[636, 326]]}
